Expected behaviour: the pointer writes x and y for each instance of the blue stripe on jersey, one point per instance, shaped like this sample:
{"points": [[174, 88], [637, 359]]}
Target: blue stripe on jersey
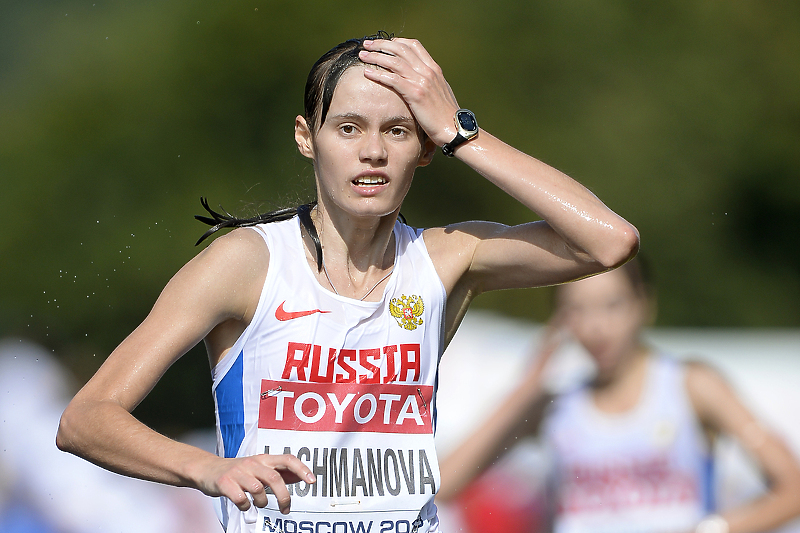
{"points": [[707, 478], [230, 408]]}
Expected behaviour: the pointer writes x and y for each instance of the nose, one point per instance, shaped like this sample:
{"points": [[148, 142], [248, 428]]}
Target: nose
{"points": [[373, 147]]}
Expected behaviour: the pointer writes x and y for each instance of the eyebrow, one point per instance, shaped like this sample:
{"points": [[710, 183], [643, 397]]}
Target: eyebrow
{"points": [[402, 119]]}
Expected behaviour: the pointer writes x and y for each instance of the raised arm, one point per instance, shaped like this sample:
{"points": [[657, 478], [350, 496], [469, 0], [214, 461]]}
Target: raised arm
{"points": [[518, 416], [721, 410], [579, 235], [213, 295]]}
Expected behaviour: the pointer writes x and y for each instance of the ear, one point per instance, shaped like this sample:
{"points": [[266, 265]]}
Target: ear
{"points": [[428, 149], [302, 136]]}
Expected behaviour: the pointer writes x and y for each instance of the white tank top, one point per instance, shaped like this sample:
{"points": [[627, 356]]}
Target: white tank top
{"points": [[345, 385], [644, 471]]}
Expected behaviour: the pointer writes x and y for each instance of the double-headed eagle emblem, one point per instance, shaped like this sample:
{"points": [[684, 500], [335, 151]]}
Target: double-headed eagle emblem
{"points": [[407, 310]]}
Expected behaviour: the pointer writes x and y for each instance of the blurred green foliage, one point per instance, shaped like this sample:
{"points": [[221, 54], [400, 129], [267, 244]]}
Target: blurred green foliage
{"points": [[115, 117]]}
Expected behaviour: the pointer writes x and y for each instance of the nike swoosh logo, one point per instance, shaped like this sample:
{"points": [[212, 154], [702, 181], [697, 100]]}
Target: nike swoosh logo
{"points": [[282, 315]]}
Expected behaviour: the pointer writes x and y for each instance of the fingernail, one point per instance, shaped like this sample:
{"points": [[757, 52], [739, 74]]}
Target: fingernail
{"points": [[368, 42], [310, 478]]}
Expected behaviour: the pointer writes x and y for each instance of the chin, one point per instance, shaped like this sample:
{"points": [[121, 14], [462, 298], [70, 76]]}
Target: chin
{"points": [[606, 366], [373, 209]]}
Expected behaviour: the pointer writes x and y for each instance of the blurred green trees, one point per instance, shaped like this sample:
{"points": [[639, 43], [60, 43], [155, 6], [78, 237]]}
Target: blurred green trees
{"points": [[116, 117]]}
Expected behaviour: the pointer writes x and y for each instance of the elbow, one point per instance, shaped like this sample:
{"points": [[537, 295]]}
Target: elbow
{"points": [[65, 436], [622, 247]]}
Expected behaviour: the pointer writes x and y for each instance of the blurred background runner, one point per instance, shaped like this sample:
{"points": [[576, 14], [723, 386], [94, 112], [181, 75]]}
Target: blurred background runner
{"points": [[629, 448]]}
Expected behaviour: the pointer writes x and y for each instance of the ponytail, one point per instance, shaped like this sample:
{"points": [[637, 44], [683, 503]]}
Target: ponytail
{"points": [[219, 221]]}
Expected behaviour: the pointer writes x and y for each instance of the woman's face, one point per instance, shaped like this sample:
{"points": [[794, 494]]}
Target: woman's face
{"points": [[367, 150], [605, 314]]}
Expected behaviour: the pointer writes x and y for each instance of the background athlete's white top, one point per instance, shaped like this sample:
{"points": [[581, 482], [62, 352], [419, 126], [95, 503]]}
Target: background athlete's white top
{"points": [[347, 386], [647, 470]]}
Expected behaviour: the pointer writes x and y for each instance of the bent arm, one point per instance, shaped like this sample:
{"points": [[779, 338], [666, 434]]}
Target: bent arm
{"points": [[721, 410], [579, 236], [216, 287]]}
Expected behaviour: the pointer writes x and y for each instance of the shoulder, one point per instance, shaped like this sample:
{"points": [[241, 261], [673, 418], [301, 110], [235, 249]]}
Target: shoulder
{"points": [[452, 247], [234, 254], [462, 233], [701, 377], [239, 239], [239, 252], [709, 392], [229, 270], [241, 242]]}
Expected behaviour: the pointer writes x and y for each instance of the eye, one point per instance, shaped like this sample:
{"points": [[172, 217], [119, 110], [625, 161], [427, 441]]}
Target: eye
{"points": [[397, 131], [347, 129]]}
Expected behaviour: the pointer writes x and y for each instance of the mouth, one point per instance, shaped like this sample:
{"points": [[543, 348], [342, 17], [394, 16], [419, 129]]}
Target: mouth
{"points": [[370, 181]]}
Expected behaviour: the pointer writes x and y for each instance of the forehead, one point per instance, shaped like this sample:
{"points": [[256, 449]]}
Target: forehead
{"points": [[355, 94]]}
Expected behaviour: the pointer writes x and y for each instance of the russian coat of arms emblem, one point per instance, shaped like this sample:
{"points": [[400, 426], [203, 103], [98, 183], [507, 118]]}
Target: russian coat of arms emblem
{"points": [[407, 310]]}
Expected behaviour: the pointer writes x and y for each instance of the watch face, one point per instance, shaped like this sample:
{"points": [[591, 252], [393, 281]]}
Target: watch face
{"points": [[467, 120]]}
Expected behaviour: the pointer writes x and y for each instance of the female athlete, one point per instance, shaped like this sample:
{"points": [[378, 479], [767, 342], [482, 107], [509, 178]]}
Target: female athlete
{"points": [[324, 330], [631, 449]]}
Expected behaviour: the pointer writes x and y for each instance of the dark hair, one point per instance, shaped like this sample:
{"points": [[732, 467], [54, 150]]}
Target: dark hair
{"points": [[320, 85], [326, 73], [640, 276]]}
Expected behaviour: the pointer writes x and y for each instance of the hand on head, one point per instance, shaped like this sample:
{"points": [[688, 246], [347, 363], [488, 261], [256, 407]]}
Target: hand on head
{"points": [[409, 69]]}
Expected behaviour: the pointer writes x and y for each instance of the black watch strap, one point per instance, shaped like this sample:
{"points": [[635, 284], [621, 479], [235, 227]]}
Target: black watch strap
{"points": [[449, 148]]}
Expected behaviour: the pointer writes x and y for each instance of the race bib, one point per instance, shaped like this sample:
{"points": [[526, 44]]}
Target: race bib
{"points": [[370, 447]]}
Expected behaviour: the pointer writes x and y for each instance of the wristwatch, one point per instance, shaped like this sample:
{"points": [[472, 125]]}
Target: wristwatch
{"points": [[467, 127]]}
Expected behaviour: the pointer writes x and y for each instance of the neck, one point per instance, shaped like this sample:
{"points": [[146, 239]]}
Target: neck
{"points": [[621, 390], [627, 369], [358, 253]]}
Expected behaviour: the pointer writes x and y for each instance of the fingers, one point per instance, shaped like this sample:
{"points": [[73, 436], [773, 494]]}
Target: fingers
{"points": [[418, 49], [404, 57], [408, 69], [259, 475], [413, 79], [411, 50]]}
